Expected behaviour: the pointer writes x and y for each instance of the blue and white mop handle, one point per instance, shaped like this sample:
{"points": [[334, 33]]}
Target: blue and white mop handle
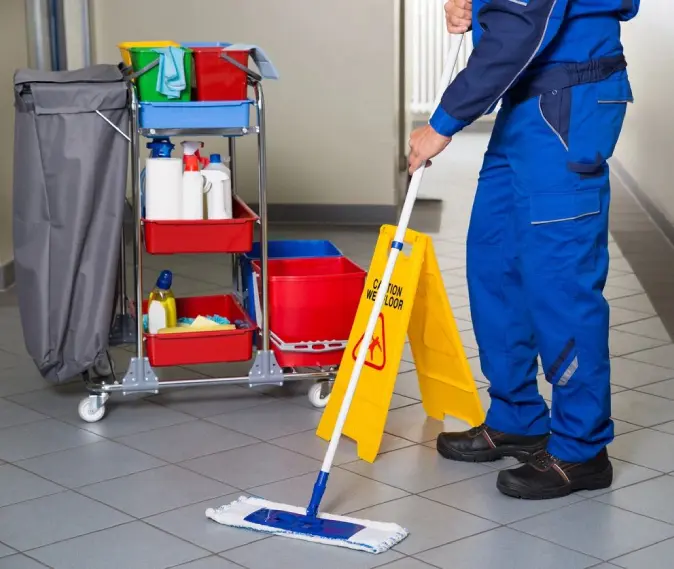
{"points": [[396, 246]]}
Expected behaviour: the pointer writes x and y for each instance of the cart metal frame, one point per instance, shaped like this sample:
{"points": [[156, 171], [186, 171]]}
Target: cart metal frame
{"points": [[140, 377]]}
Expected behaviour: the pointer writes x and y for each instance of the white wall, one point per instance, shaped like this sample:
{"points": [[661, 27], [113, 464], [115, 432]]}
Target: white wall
{"points": [[13, 47], [646, 148], [332, 137]]}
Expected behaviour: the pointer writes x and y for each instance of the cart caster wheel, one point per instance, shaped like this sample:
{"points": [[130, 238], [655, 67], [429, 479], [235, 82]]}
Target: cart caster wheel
{"points": [[103, 367], [319, 395], [88, 411]]}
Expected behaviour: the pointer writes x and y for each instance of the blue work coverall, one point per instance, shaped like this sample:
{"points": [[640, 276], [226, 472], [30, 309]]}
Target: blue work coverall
{"points": [[538, 238]]}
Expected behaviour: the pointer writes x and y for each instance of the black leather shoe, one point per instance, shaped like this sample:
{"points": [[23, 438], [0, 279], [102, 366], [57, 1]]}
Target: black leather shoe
{"points": [[545, 477], [483, 444]]}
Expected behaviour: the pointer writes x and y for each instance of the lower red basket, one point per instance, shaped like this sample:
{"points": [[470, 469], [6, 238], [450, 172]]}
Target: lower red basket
{"points": [[312, 301], [203, 347], [202, 236]]}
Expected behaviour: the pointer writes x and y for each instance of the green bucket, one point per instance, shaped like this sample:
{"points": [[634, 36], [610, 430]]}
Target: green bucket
{"points": [[147, 82]]}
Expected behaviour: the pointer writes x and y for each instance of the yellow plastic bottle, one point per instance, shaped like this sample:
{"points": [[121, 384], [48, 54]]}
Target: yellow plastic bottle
{"points": [[161, 307]]}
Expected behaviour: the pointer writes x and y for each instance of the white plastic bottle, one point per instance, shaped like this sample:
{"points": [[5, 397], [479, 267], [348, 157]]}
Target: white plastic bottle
{"points": [[219, 197], [193, 188]]}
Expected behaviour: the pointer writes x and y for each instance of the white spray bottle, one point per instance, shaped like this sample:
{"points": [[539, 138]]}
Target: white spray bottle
{"points": [[219, 197]]}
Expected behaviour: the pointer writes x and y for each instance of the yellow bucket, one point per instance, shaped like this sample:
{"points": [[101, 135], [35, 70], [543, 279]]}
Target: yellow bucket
{"points": [[125, 46]]}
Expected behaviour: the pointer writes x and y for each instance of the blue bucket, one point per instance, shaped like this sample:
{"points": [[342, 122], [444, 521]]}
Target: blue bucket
{"points": [[304, 249]]}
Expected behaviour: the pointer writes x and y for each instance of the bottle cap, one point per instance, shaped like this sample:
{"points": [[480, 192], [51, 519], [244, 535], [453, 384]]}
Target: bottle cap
{"points": [[191, 163], [165, 279], [216, 159]]}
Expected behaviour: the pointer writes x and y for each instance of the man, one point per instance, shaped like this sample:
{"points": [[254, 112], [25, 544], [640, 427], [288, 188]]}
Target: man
{"points": [[538, 237]]}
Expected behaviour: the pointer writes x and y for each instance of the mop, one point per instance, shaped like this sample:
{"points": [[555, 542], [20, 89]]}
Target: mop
{"points": [[306, 523]]}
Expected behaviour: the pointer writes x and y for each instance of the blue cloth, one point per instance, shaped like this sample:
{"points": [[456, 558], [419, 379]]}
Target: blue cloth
{"points": [[538, 262], [514, 38], [171, 77]]}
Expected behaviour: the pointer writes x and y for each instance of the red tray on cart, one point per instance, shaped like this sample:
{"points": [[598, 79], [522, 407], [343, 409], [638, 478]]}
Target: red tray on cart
{"points": [[203, 236], [193, 348]]}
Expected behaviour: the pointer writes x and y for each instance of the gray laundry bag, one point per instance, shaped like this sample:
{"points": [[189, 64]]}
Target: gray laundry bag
{"points": [[70, 173]]}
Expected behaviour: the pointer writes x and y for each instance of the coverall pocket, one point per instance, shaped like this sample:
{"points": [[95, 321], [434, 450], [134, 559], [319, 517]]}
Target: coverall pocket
{"points": [[555, 110], [564, 206]]}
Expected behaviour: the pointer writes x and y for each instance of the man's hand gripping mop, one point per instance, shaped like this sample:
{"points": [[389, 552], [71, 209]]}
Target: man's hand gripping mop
{"points": [[308, 524]]}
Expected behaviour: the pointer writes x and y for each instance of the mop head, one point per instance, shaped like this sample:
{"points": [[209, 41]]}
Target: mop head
{"points": [[291, 521]]}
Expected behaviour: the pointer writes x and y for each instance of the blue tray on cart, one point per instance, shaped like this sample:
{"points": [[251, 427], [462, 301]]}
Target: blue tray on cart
{"points": [[289, 249], [196, 114]]}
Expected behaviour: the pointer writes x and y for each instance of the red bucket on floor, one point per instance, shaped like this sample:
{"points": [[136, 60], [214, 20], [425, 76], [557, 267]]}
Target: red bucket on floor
{"points": [[216, 78], [210, 347], [312, 300]]}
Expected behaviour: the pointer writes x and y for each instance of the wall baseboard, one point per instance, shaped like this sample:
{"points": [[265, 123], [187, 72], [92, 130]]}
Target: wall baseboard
{"points": [[644, 200], [6, 275], [331, 214]]}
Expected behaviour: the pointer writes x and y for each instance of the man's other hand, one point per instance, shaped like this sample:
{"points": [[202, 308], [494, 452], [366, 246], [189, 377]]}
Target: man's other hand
{"points": [[458, 14]]}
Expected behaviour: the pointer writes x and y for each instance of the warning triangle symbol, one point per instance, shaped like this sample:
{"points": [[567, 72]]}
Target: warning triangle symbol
{"points": [[376, 356]]}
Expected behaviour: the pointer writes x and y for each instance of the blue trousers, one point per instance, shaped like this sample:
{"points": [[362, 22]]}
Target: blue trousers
{"points": [[538, 262]]}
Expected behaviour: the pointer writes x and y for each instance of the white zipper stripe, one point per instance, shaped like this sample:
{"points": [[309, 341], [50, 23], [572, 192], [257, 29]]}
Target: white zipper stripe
{"points": [[565, 218]]}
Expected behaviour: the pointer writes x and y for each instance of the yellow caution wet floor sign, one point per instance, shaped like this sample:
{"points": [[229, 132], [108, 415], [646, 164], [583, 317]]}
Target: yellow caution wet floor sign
{"points": [[416, 304]]}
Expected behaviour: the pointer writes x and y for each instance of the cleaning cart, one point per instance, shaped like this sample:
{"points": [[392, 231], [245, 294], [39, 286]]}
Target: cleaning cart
{"points": [[253, 340]]}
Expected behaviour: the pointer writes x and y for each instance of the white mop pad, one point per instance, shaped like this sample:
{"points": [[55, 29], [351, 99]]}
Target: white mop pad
{"points": [[375, 537]]}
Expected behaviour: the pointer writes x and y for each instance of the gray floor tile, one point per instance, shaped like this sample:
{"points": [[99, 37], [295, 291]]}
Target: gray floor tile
{"points": [[308, 444], [131, 546], [398, 401], [54, 518], [642, 409], [479, 496], [430, 524], [211, 401], [651, 328], [653, 498], [624, 343], [90, 464], [17, 485], [597, 529], [463, 325], [605, 566], [41, 437], [155, 491], [506, 549], [408, 563], [624, 474], [630, 282], [128, 417], [662, 356], [620, 317], [622, 427], [277, 552], [6, 551], [463, 313], [657, 556], [20, 562], [53, 401], [407, 385], [612, 292], [253, 465], [191, 524], [632, 374], [649, 448], [413, 424], [185, 441], [270, 421], [416, 469], [638, 302], [405, 367], [665, 428], [661, 389], [12, 414], [210, 563], [346, 493]]}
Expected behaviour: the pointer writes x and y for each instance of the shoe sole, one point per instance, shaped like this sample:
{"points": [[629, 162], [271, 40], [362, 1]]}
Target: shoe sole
{"points": [[598, 481], [522, 454]]}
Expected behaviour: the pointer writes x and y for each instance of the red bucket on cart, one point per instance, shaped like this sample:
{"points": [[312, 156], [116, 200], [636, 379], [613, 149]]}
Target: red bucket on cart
{"points": [[208, 347], [312, 306], [216, 78]]}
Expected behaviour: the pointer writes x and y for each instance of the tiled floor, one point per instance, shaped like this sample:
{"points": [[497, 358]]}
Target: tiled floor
{"points": [[130, 492]]}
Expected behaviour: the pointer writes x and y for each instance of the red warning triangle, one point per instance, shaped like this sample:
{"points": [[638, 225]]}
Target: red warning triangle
{"points": [[376, 357]]}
